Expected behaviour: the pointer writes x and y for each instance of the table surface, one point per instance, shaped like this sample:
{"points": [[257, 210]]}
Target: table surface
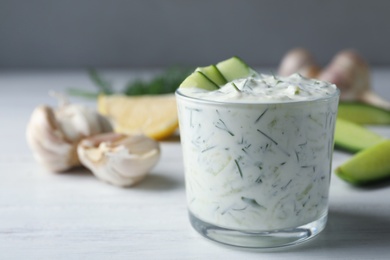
{"points": [[71, 216]]}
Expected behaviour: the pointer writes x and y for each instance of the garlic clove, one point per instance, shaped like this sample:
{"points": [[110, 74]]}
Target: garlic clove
{"points": [[53, 134], [77, 122], [119, 159], [300, 61], [349, 72], [48, 143]]}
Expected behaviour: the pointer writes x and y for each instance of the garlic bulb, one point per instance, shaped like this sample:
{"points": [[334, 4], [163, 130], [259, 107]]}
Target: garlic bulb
{"points": [[119, 159], [300, 61], [53, 135], [349, 72]]}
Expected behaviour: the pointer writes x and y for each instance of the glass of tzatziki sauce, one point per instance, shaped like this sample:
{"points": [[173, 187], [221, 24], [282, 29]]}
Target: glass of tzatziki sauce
{"points": [[257, 158]]}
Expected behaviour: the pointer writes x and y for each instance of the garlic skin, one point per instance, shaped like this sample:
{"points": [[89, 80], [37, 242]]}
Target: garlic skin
{"points": [[119, 159], [53, 135]]}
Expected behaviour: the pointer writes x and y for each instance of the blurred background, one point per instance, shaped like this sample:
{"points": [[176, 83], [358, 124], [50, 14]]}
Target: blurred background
{"points": [[46, 34]]}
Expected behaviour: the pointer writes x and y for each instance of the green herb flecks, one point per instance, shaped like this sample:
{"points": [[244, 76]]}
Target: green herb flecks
{"points": [[236, 88], [265, 83], [276, 78], [297, 155], [239, 209], [315, 121], [272, 140], [242, 140], [285, 186], [273, 75], [304, 192], [262, 114], [246, 85], [302, 144], [313, 167], [273, 123], [259, 180], [253, 203], [208, 149], [221, 125], [239, 168]]}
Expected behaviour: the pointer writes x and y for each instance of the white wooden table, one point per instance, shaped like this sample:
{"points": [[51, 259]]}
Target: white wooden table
{"points": [[75, 216]]}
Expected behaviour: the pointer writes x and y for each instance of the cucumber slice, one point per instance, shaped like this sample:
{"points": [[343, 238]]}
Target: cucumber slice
{"points": [[213, 74], [198, 80], [353, 137], [367, 166], [363, 113], [234, 68]]}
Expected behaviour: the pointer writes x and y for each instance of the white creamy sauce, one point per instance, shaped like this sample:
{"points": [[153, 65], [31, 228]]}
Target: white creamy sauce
{"points": [[266, 88], [254, 160]]}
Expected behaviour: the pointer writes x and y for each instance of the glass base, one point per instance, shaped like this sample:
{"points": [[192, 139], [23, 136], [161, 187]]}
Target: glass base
{"points": [[261, 240]]}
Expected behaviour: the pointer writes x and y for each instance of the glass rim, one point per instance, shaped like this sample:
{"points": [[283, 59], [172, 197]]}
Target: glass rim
{"points": [[181, 95]]}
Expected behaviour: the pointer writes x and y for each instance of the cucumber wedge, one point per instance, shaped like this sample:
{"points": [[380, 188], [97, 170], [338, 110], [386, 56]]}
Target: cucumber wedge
{"points": [[353, 137], [199, 80], [213, 74], [234, 68], [367, 166], [363, 113]]}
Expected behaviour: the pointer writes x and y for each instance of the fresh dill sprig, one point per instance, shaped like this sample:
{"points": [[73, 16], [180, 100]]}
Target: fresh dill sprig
{"points": [[220, 124], [103, 85], [82, 93], [164, 83]]}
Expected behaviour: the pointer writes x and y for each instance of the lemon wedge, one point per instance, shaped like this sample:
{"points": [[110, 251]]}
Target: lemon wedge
{"points": [[154, 116]]}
